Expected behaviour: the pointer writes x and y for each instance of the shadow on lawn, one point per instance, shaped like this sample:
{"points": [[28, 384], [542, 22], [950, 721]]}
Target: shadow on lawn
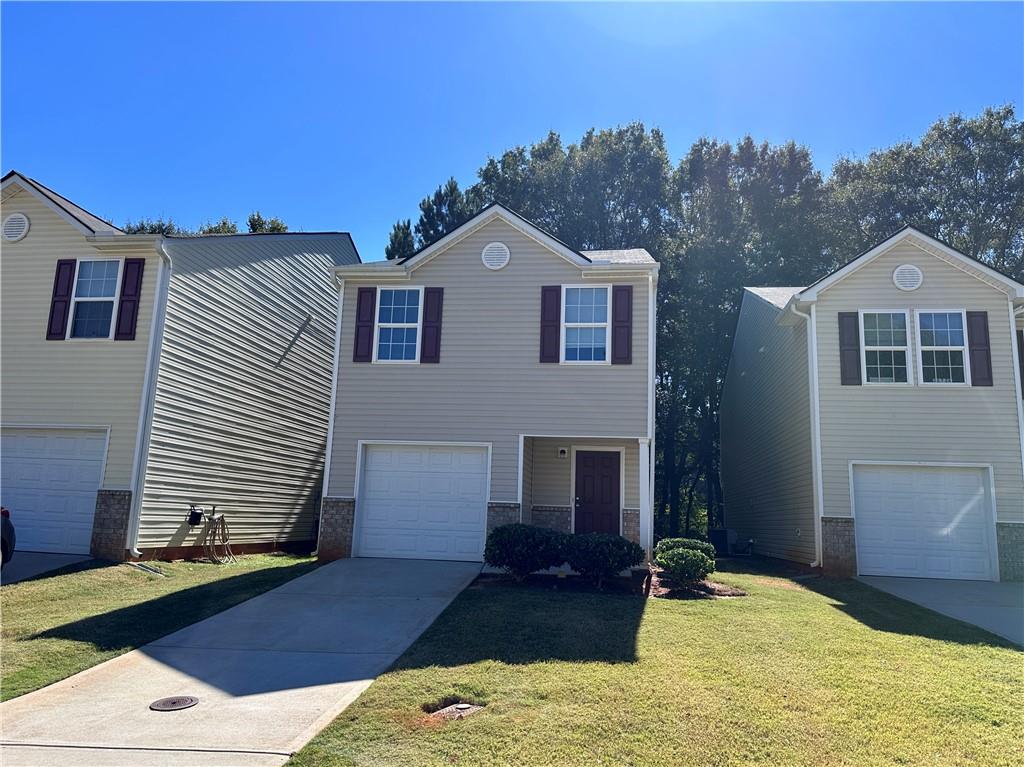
{"points": [[523, 624], [873, 608], [135, 625]]}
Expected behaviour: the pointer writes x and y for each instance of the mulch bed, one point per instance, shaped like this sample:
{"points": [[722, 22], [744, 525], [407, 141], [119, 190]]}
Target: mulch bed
{"points": [[663, 588], [657, 585]]}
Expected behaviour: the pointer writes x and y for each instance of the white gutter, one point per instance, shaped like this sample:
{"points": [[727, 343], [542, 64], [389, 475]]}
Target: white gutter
{"points": [[330, 417], [812, 373], [652, 349], [156, 334]]}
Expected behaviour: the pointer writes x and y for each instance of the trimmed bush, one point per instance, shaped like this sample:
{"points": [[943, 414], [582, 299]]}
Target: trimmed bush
{"points": [[685, 565], [670, 544], [598, 556], [524, 549]]}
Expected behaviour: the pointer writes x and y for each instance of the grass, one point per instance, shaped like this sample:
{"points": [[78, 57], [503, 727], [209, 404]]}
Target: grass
{"points": [[800, 672], [63, 623]]}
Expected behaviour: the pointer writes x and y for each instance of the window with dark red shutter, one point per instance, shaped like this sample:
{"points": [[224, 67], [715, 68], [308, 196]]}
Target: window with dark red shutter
{"points": [[849, 349], [622, 324], [366, 304], [60, 303], [550, 322], [131, 294], [430, 346], [979, 348]]}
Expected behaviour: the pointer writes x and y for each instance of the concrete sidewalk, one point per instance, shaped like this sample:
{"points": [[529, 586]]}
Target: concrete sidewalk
{"points": [[995, 607], [269, 674]]}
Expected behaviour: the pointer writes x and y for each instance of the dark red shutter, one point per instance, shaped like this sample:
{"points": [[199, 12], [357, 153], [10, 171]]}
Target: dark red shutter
{"points": [[622, 324], [849, 349], [60, 304], [1020, 358], [366, 306], [550, 322], [131, 294], [979, 349], [430, 344]]}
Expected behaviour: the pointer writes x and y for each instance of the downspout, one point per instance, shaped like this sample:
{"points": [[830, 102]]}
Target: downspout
{"points": [[652, 350], [156, 334], [812, 374], [330, 417]]}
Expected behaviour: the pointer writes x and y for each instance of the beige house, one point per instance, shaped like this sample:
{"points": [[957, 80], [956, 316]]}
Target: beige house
{"points": [[872, 422], [495, 376], [142, 374]]}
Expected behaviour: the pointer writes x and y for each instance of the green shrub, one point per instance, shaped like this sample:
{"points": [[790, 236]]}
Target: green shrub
{"points": [[670, 544], [524, 549], [685, 565], [597, 556]]}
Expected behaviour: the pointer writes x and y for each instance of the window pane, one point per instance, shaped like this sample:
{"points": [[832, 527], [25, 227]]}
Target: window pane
{"points": [[96, 279], [943, 367], [92, 319], [396, 344], [886, 366], [885, 329], [585, 344], [399, 306], [942, 329], [586, 305]]}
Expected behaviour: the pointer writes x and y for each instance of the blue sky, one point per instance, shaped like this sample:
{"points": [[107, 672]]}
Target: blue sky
{"points": [[342, 116]]}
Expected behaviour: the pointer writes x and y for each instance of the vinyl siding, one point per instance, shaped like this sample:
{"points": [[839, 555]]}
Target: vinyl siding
{"points": [[552, 476], [918, 423], [489, 385], [95, 382], [766, 448], [242, 398]]}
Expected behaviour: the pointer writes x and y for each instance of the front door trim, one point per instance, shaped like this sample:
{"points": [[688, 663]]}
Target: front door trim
{"points": [[572, 481]]}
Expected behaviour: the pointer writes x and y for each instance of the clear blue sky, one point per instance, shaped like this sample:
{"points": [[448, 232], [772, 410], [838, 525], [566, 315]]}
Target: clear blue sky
{"points": [[342, 116]]}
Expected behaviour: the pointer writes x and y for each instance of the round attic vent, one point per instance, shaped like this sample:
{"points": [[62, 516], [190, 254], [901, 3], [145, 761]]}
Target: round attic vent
{"points": [[15, 227], [907, 277], [495, 255]]}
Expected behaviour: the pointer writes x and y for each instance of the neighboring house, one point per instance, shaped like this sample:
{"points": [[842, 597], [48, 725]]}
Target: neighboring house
{"points": [[495, 376], [143, 373], [871, 423]]}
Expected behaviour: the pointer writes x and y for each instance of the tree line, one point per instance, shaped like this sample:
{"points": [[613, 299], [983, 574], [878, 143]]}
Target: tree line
{"points": [[733, 214], [256, 223]]}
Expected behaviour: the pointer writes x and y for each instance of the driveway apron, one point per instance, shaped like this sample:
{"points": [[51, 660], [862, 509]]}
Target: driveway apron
{"points": [[269, 673]]}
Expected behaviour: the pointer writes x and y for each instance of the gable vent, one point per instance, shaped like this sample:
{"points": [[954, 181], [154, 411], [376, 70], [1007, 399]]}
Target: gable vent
{"points": [[907, 277], [15, 227], [495, 255]]}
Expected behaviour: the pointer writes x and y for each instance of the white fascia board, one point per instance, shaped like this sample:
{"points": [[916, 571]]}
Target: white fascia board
{"points": [[27, 186]]}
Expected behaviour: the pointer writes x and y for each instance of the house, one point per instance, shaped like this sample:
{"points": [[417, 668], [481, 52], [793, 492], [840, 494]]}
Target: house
{"points": [[871, 423], [145, 373], [496, 376]]}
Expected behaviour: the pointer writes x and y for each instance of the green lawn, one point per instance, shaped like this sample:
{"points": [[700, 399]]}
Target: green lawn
{"points": [[58, 625], [800, 672]]}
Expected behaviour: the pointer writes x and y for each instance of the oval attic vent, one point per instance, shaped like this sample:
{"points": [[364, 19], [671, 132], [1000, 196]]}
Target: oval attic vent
{"points": [[495, 255], [15, 227], [907, 277]]}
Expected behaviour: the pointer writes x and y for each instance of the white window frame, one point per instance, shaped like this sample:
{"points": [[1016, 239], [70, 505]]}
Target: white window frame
{"points": [[921, 349], [377, 325], [864, 350], [116, 298], [607, 325]]}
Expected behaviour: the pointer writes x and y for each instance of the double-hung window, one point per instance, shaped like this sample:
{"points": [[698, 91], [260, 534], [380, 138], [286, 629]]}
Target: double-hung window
{"points": [[886, 350], [943, 347], [399, 316], [92, 309], [585, 331]]}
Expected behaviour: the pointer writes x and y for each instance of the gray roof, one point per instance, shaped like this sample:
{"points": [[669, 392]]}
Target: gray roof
{"points": [[628, 256], [776, 296], [93, 223], [227, 249]]}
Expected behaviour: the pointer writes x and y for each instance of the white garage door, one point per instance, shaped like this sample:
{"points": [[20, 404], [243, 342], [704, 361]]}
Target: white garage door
{"points": [[49, 483], [924, 522], [422, 502]]}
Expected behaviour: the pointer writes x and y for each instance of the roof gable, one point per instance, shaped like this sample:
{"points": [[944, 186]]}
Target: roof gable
{"points": [[77, 216]]}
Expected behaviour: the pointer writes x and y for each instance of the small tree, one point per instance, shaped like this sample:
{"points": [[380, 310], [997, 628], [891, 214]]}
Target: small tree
{"points": [[224, 226], [401, 243], [260, 225]]}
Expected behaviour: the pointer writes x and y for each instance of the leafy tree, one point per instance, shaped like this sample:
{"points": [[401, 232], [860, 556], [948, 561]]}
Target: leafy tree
{"points": [[258, 224], [401, 243], [224, 226], [155, 226]]}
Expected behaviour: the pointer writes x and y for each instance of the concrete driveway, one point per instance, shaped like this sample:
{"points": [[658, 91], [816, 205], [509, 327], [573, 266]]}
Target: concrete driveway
{"points": [[995, 607], [269, 673], [29, 564]]}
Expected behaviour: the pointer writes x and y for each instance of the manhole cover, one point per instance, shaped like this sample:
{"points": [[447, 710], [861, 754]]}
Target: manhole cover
{"points": [[457, 711], [175, 703]]}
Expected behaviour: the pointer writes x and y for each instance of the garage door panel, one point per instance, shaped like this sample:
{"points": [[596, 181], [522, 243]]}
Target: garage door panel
{"points": [[422, 501], [49, 482], [923, 521]]}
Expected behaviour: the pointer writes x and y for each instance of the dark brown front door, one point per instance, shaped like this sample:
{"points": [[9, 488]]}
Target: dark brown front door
{"points": [[597, 492]]}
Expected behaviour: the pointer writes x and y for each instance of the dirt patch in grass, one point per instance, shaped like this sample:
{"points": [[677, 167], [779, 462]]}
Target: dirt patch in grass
{"points": [[664, 588]]}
